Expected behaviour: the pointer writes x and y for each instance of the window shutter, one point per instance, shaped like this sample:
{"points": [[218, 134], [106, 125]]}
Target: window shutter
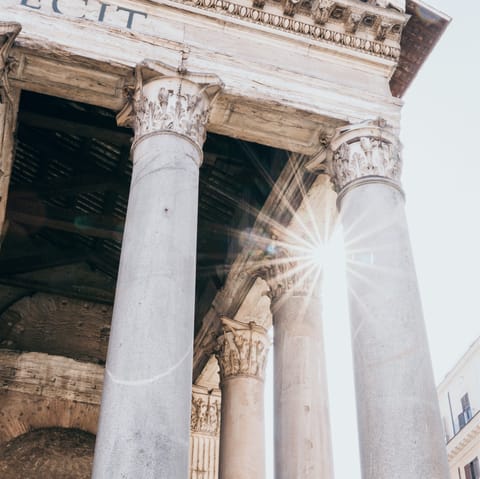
{"points": [[468, 472], [461, 420], [476, 468], [465, 402]]}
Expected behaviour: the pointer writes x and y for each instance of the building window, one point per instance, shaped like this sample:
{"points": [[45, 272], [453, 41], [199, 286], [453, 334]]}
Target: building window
{"points": [[472, 470], [466, 413]]}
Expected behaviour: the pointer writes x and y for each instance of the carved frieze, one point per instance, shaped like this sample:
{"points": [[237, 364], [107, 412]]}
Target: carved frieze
{"points": [[369, 150], [205, 414], [242, 350]]}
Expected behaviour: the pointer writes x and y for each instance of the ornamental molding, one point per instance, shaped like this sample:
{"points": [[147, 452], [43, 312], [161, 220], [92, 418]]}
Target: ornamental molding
{"points": [[467, 436], [167, 99], [372, 27], [369, 150], [242, 350], [8, 33], [205, 413]]}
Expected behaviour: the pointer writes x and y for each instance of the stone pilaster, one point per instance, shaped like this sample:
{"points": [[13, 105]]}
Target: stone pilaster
{"points": [[398, 416], [302, 424], [144, 421], [205, 433], [242, 355], [9, 100]]}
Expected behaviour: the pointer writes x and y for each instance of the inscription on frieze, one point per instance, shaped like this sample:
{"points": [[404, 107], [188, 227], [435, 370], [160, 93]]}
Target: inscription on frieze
{"points": [[101, 12], [360, 25]]}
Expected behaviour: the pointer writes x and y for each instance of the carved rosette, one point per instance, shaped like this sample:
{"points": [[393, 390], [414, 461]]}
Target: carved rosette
{"points": [[170, 100], [205, 414], [364, 152], [242, 350]]}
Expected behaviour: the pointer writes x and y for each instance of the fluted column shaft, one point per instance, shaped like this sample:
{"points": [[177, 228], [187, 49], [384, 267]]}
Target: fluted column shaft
{"points": [[398, 414], [144, 420], [242, 356]]}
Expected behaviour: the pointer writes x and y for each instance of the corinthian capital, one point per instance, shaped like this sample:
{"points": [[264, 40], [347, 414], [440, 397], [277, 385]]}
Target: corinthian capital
{"points": [[369, 151], [242, 350], [8, 33], [284, 273], [170, 100]]}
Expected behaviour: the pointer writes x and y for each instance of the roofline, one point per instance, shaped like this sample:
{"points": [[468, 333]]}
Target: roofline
{"points": [[459, 363]]}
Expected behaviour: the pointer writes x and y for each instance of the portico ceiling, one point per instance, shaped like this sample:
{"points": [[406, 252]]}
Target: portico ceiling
{"points": [[68, 200]]}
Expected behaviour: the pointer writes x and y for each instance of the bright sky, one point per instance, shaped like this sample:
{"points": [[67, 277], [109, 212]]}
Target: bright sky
{"points": [[441, 179]]}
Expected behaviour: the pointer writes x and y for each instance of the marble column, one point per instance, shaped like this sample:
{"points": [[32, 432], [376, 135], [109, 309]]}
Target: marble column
{"points": [[9, 101], [399, 423], [242, 356], [303, 446], [145, 412]]}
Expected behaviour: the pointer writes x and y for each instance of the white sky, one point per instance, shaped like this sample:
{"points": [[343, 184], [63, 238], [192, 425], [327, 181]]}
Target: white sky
{"points": [[441, 179]]}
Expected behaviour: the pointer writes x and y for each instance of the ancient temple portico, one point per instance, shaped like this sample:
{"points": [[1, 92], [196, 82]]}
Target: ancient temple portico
{"points": [[174, 171]]}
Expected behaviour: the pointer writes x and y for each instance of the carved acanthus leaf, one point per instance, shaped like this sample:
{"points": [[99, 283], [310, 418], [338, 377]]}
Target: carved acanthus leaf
{"points": [[183, 113], [367, 155], [205, 414], [170, 100], [242, 350]]}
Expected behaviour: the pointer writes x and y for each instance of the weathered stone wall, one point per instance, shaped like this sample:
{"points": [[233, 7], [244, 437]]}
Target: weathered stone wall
{"points": [[48, 453], [57, 325], [41, 391]]}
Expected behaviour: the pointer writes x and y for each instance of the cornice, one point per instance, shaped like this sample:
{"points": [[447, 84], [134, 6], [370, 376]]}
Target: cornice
{"points": [[465, 437], [350, 24]]}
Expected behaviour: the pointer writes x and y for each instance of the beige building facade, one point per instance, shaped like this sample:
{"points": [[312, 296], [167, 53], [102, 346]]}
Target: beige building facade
{"points": [[459, 396], [170, 172]]}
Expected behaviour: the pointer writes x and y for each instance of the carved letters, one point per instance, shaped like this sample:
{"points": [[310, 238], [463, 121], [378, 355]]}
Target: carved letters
{"points": [[242, 350]]}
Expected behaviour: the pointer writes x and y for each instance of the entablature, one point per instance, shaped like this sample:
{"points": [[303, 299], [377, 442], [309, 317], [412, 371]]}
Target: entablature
{"points": [[282, 87]]}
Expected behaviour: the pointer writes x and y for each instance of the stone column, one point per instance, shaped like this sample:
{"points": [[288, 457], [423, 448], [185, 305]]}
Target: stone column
{"points": [[303, 446], [398, 414], [242, 356], [145, 412], [9, 100]]}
